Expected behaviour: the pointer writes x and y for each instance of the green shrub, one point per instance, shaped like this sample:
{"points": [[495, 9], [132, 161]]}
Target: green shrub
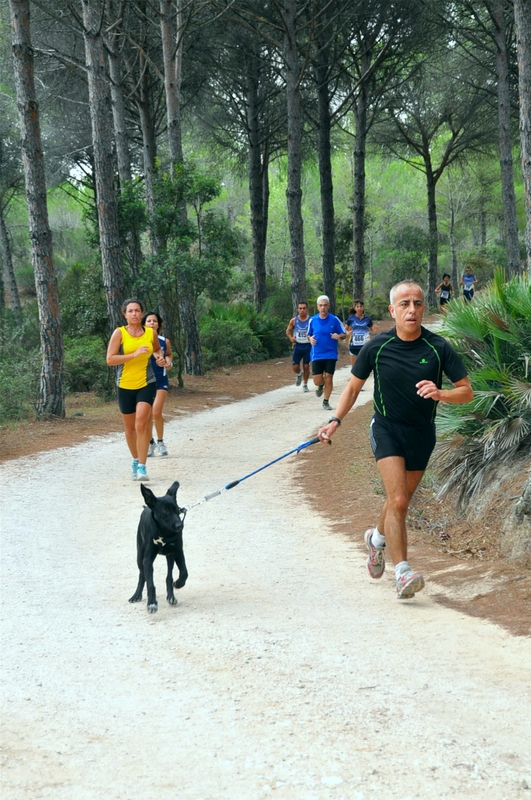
{"points": [[85, 367], [20, 364], [377, 307], [227, 342], [19, 387]]}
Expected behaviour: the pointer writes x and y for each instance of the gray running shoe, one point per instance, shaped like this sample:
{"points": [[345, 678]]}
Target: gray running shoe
{"points": [[305, 387], [298, 379], [319, 390], [162, 449], [376, 560], [326, 405], [151, 449], [408, 584]]}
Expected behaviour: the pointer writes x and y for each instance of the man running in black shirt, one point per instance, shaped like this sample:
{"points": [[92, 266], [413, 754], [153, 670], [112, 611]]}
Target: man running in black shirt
{"points": [[408, 363]]}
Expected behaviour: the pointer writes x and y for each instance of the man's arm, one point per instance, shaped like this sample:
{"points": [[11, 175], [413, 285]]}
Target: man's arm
{"points": [[346, 401], [289, 329], [461, 393]]}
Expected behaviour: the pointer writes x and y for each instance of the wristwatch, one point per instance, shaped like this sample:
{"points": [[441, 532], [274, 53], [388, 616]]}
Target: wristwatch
{"points": [[335, 419]]}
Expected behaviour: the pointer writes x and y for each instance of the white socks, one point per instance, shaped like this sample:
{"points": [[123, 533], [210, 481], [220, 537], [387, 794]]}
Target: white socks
{"points": [[401, 567], [377, 539]]}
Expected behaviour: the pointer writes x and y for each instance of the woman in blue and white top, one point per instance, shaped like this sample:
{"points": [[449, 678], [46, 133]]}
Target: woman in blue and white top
{"points": [[359, 327], [153, 320]]}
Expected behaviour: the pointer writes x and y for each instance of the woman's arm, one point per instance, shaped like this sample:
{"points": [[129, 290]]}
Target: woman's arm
{"points": [[169, 359]]}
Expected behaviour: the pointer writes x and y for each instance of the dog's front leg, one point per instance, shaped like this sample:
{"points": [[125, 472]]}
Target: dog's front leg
{"points": [[140, 564], [152, 605], [183, 572], [170, 597]]}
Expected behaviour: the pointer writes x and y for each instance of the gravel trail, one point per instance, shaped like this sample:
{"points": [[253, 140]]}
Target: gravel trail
{"points": [[283, 672]]}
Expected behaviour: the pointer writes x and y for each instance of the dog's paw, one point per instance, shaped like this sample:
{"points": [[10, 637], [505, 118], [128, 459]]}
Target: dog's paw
{"points": [[179, 583], [153, 608], [136, 598], [172, 600]]}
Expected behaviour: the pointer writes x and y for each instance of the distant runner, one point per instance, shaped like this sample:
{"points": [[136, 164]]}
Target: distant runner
{"points": [[324, 333], [360, 326], [445, 290], [297, 333], [468, 281]]}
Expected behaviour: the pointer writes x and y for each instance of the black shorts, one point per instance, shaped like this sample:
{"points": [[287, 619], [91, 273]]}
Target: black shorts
{"points": [[301, 352], [129, 398], [327, 365], [354, 351], [468, 294], [411, 442]]}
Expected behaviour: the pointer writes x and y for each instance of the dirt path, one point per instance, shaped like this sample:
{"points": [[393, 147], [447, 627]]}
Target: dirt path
{"points": [[283, 672]]}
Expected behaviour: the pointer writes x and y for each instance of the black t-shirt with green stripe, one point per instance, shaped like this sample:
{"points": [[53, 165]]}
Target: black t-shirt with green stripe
{"points": [[399, 365]]}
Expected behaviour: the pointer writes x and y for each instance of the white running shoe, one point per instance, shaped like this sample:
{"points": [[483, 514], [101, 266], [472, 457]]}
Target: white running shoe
{"points": [[162, 449], [408, 584], [141, 474], [376, 560], [151, 449]]}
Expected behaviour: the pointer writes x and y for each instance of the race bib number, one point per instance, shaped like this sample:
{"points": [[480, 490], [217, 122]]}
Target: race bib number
{"points": [[359, 339]]}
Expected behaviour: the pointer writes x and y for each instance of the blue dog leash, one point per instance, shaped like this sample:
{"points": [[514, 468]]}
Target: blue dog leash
{"points": [[232, 484]]}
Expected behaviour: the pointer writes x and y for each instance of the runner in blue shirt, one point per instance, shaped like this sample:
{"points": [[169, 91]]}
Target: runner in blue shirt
{"points": [[468, 281], [360, 326], [297, 333], [324, 333]]}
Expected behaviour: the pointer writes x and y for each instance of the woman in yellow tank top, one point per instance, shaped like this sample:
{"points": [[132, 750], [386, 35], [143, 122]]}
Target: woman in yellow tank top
{"points": [[130, 350]]}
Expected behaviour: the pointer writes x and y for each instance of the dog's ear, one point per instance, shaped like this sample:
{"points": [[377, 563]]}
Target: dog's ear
{"points": [[172, 491], [148, 495]]}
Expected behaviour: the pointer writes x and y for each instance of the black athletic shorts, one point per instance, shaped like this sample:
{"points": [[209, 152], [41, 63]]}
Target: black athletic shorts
{"points": [[301, 352], [327, 365], [414, 443], [129, 398]]}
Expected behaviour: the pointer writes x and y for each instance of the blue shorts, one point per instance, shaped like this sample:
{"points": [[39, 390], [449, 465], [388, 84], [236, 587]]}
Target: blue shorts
{"points": [[413, 443], [327, 365], [128, 399], [301, 352]]}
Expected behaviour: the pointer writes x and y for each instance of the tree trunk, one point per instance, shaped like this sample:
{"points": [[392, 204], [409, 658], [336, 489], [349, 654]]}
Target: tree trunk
{"points": [[172, 57], [193, 364], [294, 188], [433, 246], [51, 400], [123, 154], [505, 140], [522, 16], [100, 117], [256, 189], [9, 271], [325, 176], [360, 113], [453, 247]]}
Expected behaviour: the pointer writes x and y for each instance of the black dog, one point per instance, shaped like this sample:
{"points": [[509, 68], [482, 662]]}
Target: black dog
{"points": [[160, 530]]}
